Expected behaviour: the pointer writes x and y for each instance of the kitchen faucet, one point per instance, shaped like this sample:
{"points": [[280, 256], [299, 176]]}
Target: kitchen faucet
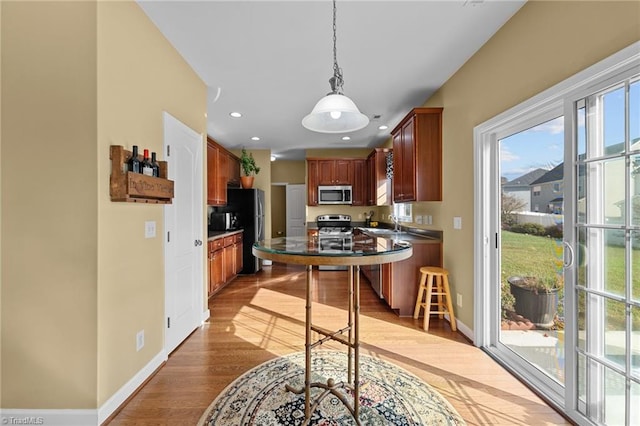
{"points": [[396, 227]]}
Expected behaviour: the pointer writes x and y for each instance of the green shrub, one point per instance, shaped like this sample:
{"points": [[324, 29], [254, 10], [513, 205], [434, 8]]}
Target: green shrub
{"points": [[554, 231], [528, 228]]}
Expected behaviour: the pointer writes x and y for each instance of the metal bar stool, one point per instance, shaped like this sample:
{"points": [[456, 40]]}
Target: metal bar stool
{"points": [[434, 287]]}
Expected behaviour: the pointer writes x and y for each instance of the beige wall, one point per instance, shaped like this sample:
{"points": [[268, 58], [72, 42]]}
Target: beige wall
{"points": [[140, 76], [543, 44], [81, 279], [287, 171], [49, 200]]}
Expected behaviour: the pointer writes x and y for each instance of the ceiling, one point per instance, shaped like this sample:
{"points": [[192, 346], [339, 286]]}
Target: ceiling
{"points": [[271, 61]]}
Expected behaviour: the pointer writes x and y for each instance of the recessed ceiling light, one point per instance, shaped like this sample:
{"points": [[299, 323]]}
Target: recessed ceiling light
{"points": [[346, 138], [273, 158], [255, 138], [235, 114], [383, 127]]}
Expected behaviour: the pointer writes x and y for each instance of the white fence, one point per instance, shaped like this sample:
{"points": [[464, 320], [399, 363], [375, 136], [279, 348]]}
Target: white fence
{"points": [[544, 219]]}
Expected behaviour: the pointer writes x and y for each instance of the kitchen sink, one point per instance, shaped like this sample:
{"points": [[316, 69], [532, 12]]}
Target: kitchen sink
{"points": [[382, 232]]}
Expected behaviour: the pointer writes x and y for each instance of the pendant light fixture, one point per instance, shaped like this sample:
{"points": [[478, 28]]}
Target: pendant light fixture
{"points": [[335, 113]]}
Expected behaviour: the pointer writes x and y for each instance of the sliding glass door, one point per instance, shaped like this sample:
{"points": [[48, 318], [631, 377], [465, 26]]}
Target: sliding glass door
{"points": [[558, 242]]}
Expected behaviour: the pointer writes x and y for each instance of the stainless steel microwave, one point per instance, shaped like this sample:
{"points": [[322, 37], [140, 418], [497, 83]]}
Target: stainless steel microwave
{"points": [[334, 194]]}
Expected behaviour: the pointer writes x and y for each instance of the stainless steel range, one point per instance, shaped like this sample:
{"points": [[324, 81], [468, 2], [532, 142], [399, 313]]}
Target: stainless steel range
{"points": [[334, 236]]}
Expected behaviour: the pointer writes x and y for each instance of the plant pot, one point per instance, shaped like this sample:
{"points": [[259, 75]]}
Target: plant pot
{"points": [[246, 181], [539, 307]]}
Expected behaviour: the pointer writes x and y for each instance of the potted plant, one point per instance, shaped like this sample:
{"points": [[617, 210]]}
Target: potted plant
{"points": [[536, 298], [249, 168]]}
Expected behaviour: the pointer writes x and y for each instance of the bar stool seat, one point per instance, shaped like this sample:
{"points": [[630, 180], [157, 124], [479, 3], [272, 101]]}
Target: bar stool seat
{"points": [[434, 281]]}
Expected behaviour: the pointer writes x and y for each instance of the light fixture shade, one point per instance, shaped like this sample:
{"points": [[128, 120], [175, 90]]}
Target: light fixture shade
{"points": [[322, 120]]}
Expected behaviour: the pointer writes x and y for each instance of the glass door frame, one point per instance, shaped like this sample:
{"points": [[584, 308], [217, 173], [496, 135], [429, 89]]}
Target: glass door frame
{"points": [[486, 201]]}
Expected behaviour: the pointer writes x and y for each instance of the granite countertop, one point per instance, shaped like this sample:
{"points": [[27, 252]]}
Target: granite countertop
{"points": [[214, 235]]}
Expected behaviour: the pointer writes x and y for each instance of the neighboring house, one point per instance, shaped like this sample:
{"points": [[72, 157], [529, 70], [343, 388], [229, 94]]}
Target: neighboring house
{"points": [[546, 191], [520, 187]]}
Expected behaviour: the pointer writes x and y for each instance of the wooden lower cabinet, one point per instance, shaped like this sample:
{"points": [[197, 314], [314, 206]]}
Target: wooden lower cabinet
{"points": [[225, 261], [400, 279]]}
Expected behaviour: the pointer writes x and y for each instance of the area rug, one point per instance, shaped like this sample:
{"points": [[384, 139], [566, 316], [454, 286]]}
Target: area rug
{"points": [[389, 395]]}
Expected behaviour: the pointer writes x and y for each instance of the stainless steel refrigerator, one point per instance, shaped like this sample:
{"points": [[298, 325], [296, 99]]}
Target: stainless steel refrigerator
{"points": [[249, 206]]}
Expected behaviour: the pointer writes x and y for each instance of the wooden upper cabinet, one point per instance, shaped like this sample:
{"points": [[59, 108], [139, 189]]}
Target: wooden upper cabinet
{"points": [[379, 190], [223, 169], [312, 182], [417, 156], [359, 184], [214, 196], [335, 172], [233, 178]]}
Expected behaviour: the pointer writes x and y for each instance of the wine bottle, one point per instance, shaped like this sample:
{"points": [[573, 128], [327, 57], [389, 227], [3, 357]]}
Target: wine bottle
{"points": [[134, 163], [154, 165], [147, 169]]}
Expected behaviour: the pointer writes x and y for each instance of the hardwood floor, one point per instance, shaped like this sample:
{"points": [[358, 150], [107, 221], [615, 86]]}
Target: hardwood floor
{"points": [[257, 318]]}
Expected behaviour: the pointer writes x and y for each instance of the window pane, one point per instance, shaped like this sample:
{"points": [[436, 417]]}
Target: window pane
{"points": [[614, 406], [613, 121], [606, 191], [582, 323], [582, 141], [614, 262], [635, 341], [635, 189], [582, 380], [635, 408], [635, 266], [634, 113], [614, 335]]}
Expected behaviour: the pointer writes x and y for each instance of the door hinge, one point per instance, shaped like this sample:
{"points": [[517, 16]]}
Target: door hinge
{"points": [[496, 240], [168, 322], [168, 150], [168, 236]]}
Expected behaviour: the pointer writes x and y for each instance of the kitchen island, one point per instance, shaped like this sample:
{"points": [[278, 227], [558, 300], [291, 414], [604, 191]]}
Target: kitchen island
{"points": [[363, 250]]}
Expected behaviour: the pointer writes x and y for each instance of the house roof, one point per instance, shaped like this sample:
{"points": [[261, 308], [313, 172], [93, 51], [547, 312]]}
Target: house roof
{"points": [[555, 174], [525, 179]]}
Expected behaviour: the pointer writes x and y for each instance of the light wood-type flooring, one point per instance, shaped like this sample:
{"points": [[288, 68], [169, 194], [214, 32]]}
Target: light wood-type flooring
{"points": [[257, 318]]}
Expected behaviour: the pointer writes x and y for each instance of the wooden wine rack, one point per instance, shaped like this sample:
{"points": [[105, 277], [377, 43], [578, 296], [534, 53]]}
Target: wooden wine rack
{"points": [[135, 187]]}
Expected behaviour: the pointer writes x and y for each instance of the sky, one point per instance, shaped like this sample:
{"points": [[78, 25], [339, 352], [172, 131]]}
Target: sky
{"points": [[542, 146]]}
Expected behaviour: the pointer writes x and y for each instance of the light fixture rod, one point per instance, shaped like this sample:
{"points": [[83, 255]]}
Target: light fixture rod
{"points": [[336, 81]]}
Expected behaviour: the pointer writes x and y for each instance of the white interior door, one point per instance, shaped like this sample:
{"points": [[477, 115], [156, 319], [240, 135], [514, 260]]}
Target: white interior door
{"points": [[183, 223], [296, 215]]}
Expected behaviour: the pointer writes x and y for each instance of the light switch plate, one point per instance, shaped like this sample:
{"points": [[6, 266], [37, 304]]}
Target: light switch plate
{"points": [[457, 222], [150, 229]]}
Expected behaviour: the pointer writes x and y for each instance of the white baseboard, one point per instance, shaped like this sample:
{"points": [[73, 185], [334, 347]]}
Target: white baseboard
{"points": [[462, 327], [112, 404], [28, 416], [205, 316]]}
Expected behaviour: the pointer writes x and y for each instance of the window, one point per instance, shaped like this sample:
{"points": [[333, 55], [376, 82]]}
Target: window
{"points": [[403, 212]]}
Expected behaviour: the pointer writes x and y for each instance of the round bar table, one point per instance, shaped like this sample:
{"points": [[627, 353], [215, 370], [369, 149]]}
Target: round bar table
{"points": [[310, 251]]}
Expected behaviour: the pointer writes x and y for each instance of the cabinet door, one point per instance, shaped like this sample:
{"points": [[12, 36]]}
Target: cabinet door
{"points": [[239, 256], [229, 263], [397, 166], [408, 173], [343, 172], [312, 182], [212, 159], [386, 283], [221, 178], [359, 183], [217, 270], [326, 172], [233, 177], [370, 183]]}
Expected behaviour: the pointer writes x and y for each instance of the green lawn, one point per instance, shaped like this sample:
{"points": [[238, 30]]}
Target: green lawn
{"points": [[524, 254]]}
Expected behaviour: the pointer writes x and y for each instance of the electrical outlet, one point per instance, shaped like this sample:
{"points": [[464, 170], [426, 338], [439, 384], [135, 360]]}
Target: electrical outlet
{"points": [[419, 219], [429, 219], [139, 340], [459, 300], [150, 229]]}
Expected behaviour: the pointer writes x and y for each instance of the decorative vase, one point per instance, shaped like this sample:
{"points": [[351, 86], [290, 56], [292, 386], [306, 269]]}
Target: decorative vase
{"points": [[246, 181]]}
